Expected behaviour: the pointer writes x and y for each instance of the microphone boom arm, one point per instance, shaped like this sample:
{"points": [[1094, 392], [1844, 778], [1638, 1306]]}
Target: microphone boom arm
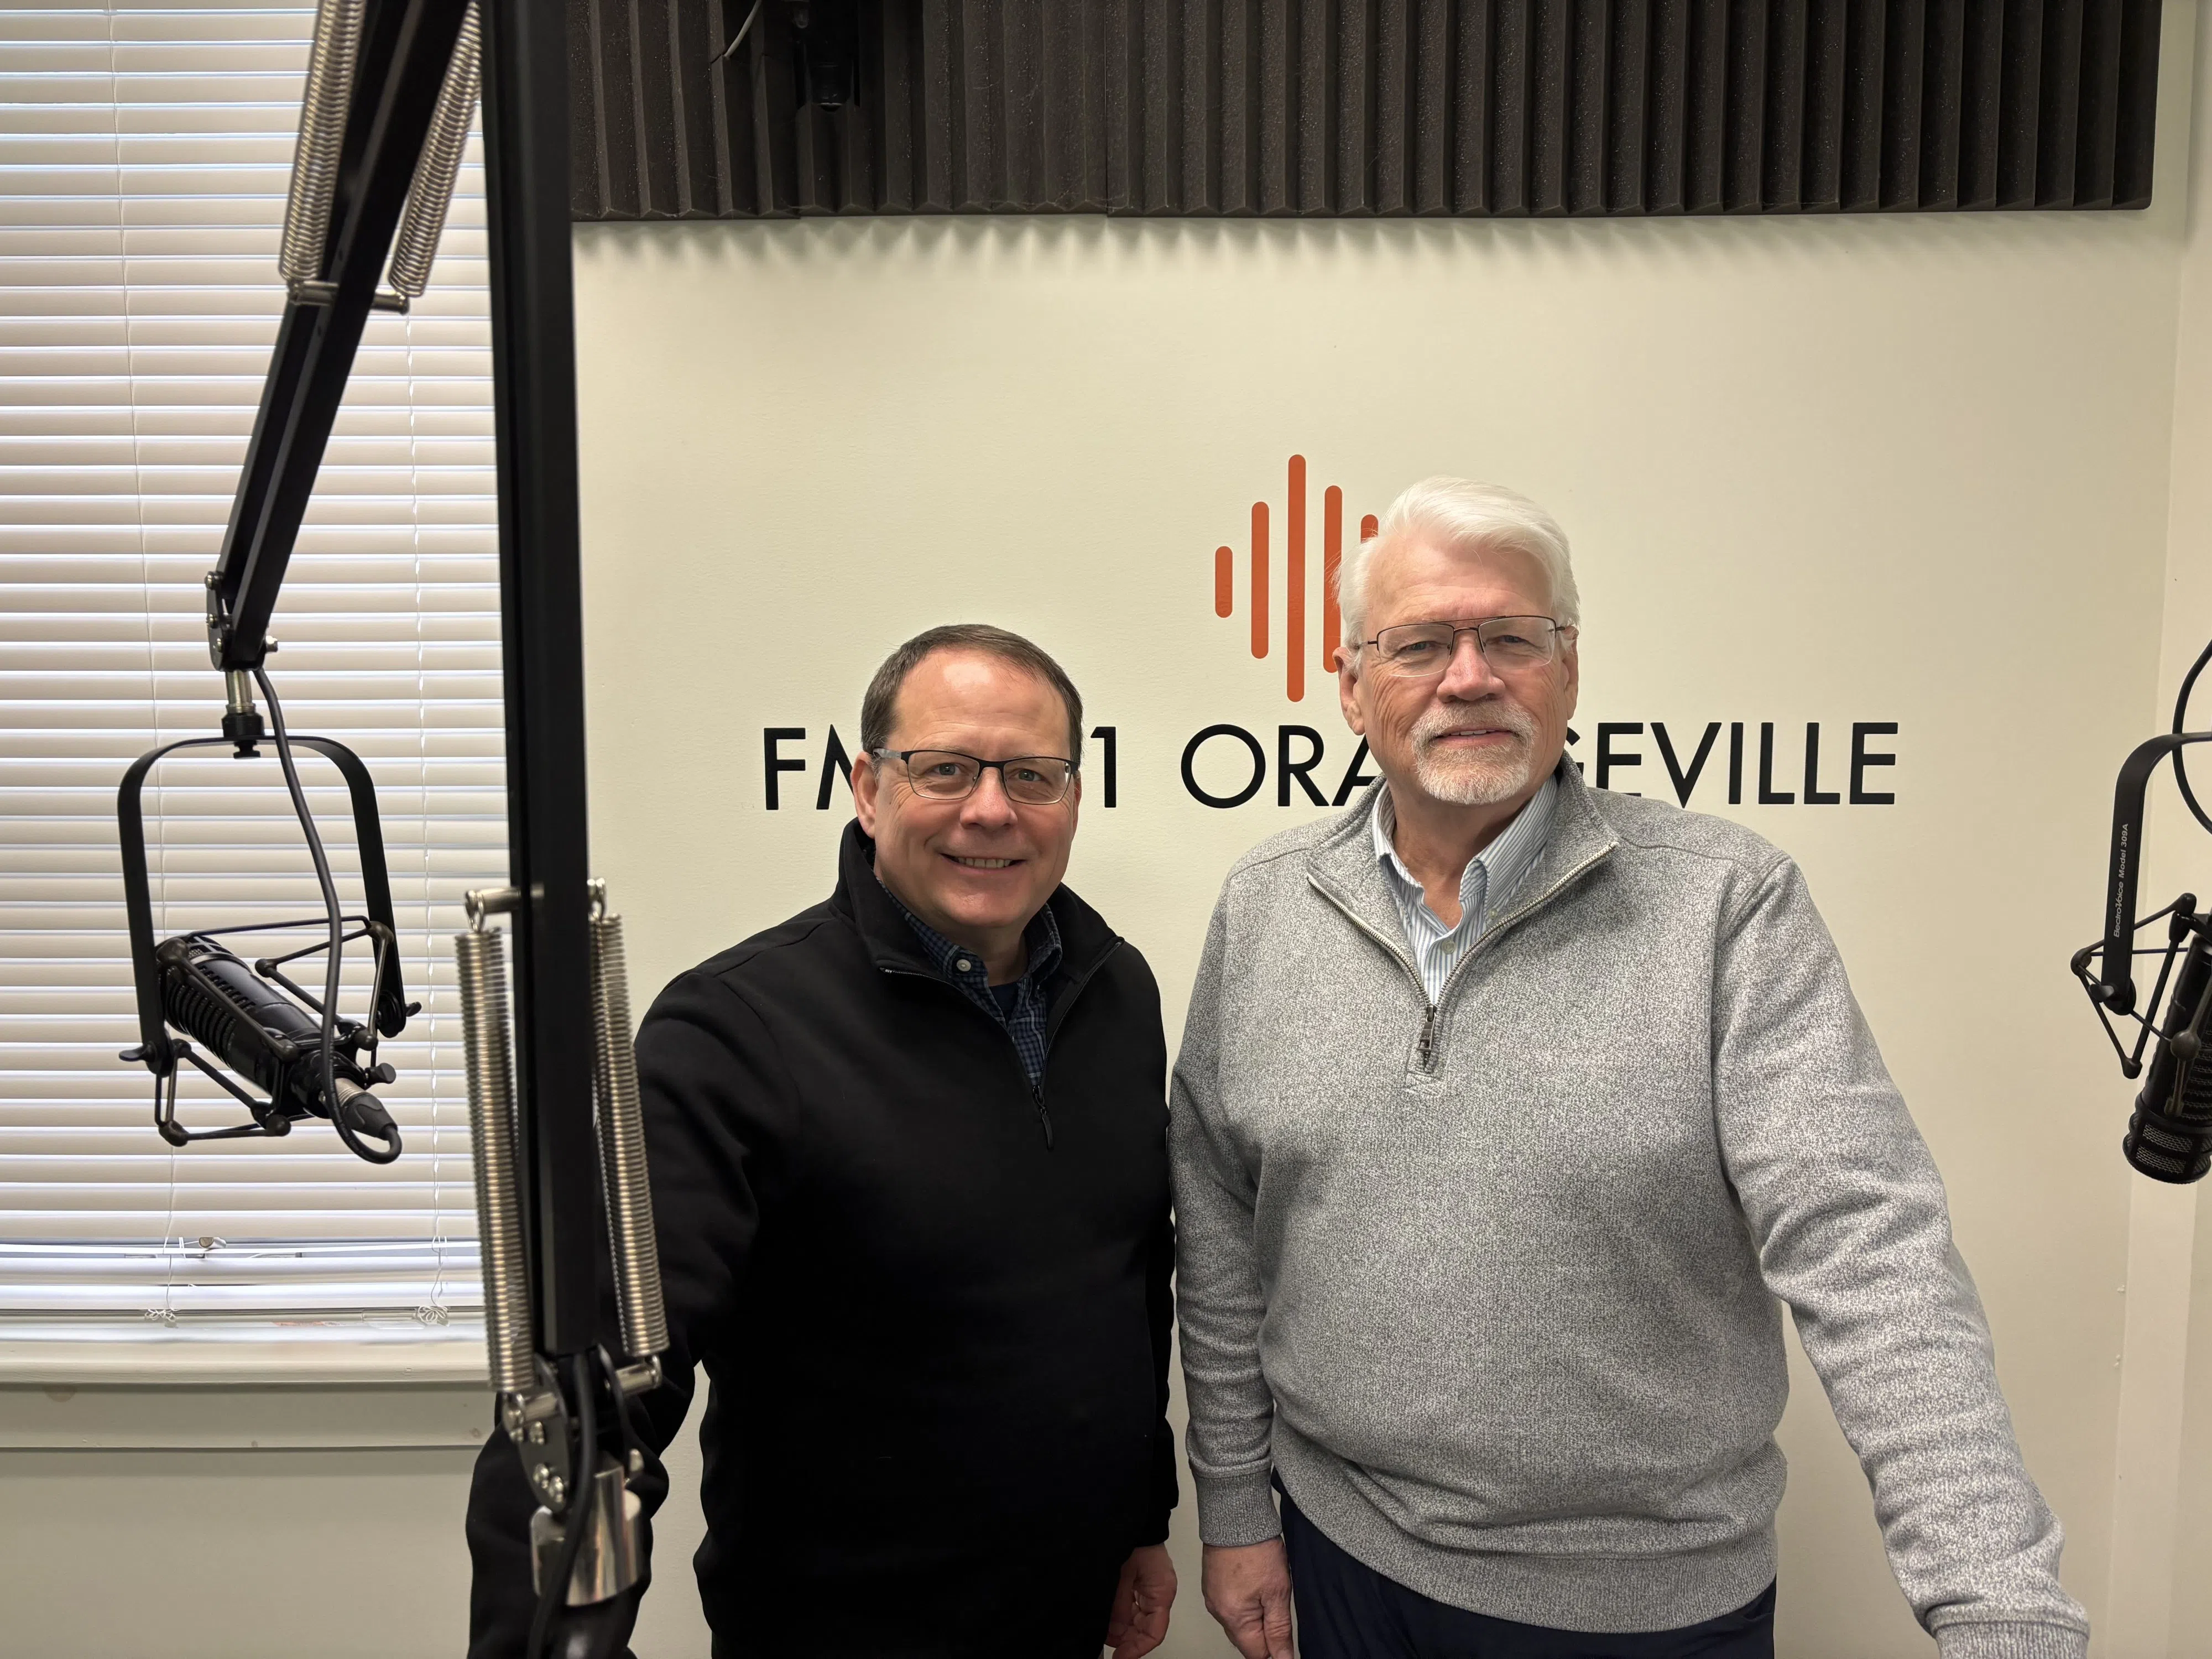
{"points": [[384, 116], [396, 73]]}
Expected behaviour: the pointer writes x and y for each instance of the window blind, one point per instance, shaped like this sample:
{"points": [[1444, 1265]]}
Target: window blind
{"points": [[145, 152]]}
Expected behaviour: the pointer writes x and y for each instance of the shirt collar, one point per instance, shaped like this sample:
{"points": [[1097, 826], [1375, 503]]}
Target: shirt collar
{"points": [[1041, 936], [1499, 865]]}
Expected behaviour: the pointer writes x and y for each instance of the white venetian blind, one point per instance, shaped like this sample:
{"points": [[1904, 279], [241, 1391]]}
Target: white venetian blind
{"points": [[144, 151]]}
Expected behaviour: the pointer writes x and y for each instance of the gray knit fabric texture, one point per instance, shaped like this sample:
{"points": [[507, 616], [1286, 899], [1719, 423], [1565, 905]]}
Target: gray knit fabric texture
{"points": [[1505, 1317]]}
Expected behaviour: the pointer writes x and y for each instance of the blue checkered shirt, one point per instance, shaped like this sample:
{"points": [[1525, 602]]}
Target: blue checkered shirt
{"points": [[1484, 886], [1027, 1020]]}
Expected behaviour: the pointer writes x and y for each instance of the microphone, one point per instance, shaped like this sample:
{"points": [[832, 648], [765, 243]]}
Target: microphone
{"points": [[263, 1034], [2170, 1136]]}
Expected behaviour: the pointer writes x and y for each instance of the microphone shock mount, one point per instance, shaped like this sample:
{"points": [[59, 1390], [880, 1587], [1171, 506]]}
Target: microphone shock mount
{"points": [[2169, 1137], [298, 1055]]}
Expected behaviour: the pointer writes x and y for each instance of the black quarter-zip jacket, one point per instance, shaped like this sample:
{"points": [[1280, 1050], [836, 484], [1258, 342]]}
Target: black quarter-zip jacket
{"points": [[933, 1303]]}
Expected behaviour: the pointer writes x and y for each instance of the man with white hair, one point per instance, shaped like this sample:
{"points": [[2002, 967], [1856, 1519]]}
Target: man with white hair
{"points": [[1508, 1114]]}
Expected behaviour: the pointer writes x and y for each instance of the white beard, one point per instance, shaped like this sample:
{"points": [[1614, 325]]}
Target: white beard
{"points": [[1485, 779]]}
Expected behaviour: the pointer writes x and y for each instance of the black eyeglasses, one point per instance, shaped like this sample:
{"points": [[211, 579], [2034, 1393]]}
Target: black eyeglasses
{"points": [[948, 774], [1423, 650]]}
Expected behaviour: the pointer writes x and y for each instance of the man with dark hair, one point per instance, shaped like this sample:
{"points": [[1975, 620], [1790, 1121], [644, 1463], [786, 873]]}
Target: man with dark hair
{"points": [[910, 1182]]}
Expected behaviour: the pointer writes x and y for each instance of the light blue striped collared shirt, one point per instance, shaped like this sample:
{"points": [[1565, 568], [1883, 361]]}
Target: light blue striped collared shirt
{"points": [[1490, 878]]}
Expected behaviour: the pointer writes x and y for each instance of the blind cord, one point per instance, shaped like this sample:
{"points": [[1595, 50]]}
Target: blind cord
{"points": [[167, 1313]]}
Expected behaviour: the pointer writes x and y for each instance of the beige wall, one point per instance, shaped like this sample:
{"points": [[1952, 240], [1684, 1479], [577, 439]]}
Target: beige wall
{"points": [[1771, 440], [236, 1521]]}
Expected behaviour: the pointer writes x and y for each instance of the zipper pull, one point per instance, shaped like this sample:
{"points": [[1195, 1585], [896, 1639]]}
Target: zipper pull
{"points": [[1043, 1116], [1426, 1048]]}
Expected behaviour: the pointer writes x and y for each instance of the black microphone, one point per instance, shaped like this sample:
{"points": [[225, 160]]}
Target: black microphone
{"points": [[2170, 1136], [263, 1034]]}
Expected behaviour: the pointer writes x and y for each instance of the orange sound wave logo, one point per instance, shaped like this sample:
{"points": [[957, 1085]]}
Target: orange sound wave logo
{"points": [[1294, 578]]}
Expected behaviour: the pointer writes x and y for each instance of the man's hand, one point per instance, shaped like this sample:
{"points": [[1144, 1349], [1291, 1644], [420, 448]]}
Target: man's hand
{"points": [[1139, 1622], [1247, 1589]]}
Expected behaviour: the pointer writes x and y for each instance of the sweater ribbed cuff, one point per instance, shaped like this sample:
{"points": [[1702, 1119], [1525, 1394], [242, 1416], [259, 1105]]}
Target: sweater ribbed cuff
{"points": [[1236, 1509], [1975, 1640]]}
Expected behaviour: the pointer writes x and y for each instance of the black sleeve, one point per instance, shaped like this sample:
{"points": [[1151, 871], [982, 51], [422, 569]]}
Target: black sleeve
{"points": [[715, 1094], [1159, 1294], [1159, 1307]]}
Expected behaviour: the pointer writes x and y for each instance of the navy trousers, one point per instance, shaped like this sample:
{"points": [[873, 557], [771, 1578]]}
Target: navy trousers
{"points": [[1349, 1611]]}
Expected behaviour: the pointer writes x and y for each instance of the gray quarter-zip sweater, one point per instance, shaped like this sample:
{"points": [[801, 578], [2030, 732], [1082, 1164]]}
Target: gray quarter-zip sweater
{"points": [[1494, 1286]]}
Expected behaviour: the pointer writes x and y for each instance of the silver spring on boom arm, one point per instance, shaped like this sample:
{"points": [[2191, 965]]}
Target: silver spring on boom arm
{"points": [[622, 1143], [480, 956], [322, 134], [332, 58], [431, 193]]}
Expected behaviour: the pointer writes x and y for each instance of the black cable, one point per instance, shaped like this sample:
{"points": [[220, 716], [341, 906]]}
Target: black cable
{"points": [[330, 1031], [554, 1592], [2180, 717], [632, 1438]]}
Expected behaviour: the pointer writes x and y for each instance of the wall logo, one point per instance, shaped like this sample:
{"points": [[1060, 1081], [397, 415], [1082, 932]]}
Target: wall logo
{"points": [[1258, 583], [1226, 765]]}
